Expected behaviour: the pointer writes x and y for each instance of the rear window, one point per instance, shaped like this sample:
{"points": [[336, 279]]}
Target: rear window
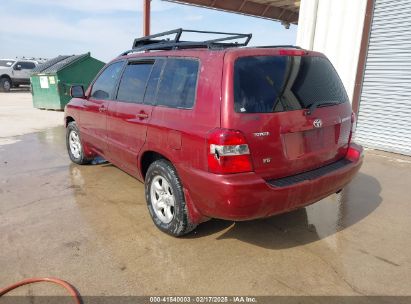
{"points": [[153, 81], [265, 84], [178, 83]]}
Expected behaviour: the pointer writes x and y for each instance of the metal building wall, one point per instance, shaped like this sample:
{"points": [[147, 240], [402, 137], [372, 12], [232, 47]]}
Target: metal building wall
{"points": [[384, 120], [334, 27]]}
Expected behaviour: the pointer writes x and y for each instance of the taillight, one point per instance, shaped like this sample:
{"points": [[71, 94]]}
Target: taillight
{"points": [[353, 126], [354, 152], [228, 152]]}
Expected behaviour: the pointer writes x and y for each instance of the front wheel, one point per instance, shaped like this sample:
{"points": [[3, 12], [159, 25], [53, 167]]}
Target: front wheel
{"points": [[165, 199], [74, 146]]}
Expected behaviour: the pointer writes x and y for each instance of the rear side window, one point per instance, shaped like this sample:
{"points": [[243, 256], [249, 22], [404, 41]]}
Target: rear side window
{"points": [[103, 87], [133, 82], [265, 84], [152, 85], [178, 83]]}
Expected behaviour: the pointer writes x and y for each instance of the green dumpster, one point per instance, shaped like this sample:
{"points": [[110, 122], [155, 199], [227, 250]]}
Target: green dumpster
{"points": [[51, 81]]}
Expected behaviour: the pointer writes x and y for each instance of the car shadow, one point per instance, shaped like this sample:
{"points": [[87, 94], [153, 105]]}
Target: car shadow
{"points": [[22, 89], [302, 226], [305, 225]]}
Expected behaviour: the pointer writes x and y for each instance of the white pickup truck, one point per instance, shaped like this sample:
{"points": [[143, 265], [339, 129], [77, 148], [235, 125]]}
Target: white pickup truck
{"points": [[14, 72]]}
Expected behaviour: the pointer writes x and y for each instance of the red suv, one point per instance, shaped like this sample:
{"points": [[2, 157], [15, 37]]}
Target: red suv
{"points": [[216, 129]]}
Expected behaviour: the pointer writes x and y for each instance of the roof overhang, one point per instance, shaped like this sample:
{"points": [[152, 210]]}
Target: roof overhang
{"points": [[285, 11]]}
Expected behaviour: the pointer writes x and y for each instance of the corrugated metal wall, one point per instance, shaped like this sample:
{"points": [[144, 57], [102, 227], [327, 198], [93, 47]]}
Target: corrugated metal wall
{"points": [[384, 120]]}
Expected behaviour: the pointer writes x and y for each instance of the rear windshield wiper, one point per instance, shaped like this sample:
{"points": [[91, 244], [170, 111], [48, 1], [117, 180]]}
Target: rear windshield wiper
{"points": [[315, 105]]}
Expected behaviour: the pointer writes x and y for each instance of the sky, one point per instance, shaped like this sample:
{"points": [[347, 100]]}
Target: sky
{"points": [[48, 28]]}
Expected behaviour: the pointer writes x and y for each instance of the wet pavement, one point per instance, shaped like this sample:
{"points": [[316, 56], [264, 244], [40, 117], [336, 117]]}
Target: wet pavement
{"points": [[18, 117], [90, 226]]}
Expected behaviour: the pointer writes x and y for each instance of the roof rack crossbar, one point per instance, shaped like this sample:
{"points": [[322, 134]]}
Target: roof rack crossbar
{"points": [[149, 39], [233, 37], [154, 42]]}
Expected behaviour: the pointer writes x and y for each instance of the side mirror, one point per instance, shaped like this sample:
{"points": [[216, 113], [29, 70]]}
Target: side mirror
{"points": [[17, 67], [77, 91]]}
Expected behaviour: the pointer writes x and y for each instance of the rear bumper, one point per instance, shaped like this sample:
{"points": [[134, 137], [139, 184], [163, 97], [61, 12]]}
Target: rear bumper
{"points": [[247, 196]]}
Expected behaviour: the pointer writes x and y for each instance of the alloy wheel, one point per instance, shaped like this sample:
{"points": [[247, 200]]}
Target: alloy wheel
{"points": [[162, 199]]}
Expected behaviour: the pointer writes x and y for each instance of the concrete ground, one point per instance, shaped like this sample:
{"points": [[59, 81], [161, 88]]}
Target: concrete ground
{"points": [[17, 116], [89, 225]]}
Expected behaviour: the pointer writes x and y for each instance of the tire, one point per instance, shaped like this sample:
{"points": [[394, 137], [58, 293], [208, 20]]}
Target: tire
{"points": [[74, 145], [5, 84], [165, 199]]}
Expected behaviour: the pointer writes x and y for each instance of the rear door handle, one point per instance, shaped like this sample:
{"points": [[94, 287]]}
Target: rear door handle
{"points": [[142, 115], [102, 109]]}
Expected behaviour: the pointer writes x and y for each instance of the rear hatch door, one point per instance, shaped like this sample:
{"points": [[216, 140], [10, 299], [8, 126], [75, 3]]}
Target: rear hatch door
{"points": [[269, 102]]}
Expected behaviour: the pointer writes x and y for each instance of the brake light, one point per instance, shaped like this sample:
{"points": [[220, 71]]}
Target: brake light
{"points": [[292, 52], [228, 152], [353, 126], [354, 152]]}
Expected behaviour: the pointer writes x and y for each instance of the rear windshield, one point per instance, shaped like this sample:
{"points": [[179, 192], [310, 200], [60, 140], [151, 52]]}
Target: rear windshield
{"points": [[265, 84], [6, 63]]}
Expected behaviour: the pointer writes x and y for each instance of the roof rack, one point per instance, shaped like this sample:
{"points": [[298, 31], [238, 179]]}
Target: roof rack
{"points": [[30, 58], [161, 42]]}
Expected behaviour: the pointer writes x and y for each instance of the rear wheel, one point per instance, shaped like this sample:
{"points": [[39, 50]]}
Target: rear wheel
{"points": [[165, 199], [5, 85], [74, 146]]}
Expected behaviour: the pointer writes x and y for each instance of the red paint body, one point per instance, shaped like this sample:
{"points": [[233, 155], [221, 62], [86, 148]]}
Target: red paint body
{"points": [[123, 132]]}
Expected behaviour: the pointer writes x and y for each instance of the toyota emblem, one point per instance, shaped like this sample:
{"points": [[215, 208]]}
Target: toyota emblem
{"points": [[317, 123]]}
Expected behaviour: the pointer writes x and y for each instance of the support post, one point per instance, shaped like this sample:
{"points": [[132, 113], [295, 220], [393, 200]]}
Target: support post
{"points": [[362, 57], [146, 17]]}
